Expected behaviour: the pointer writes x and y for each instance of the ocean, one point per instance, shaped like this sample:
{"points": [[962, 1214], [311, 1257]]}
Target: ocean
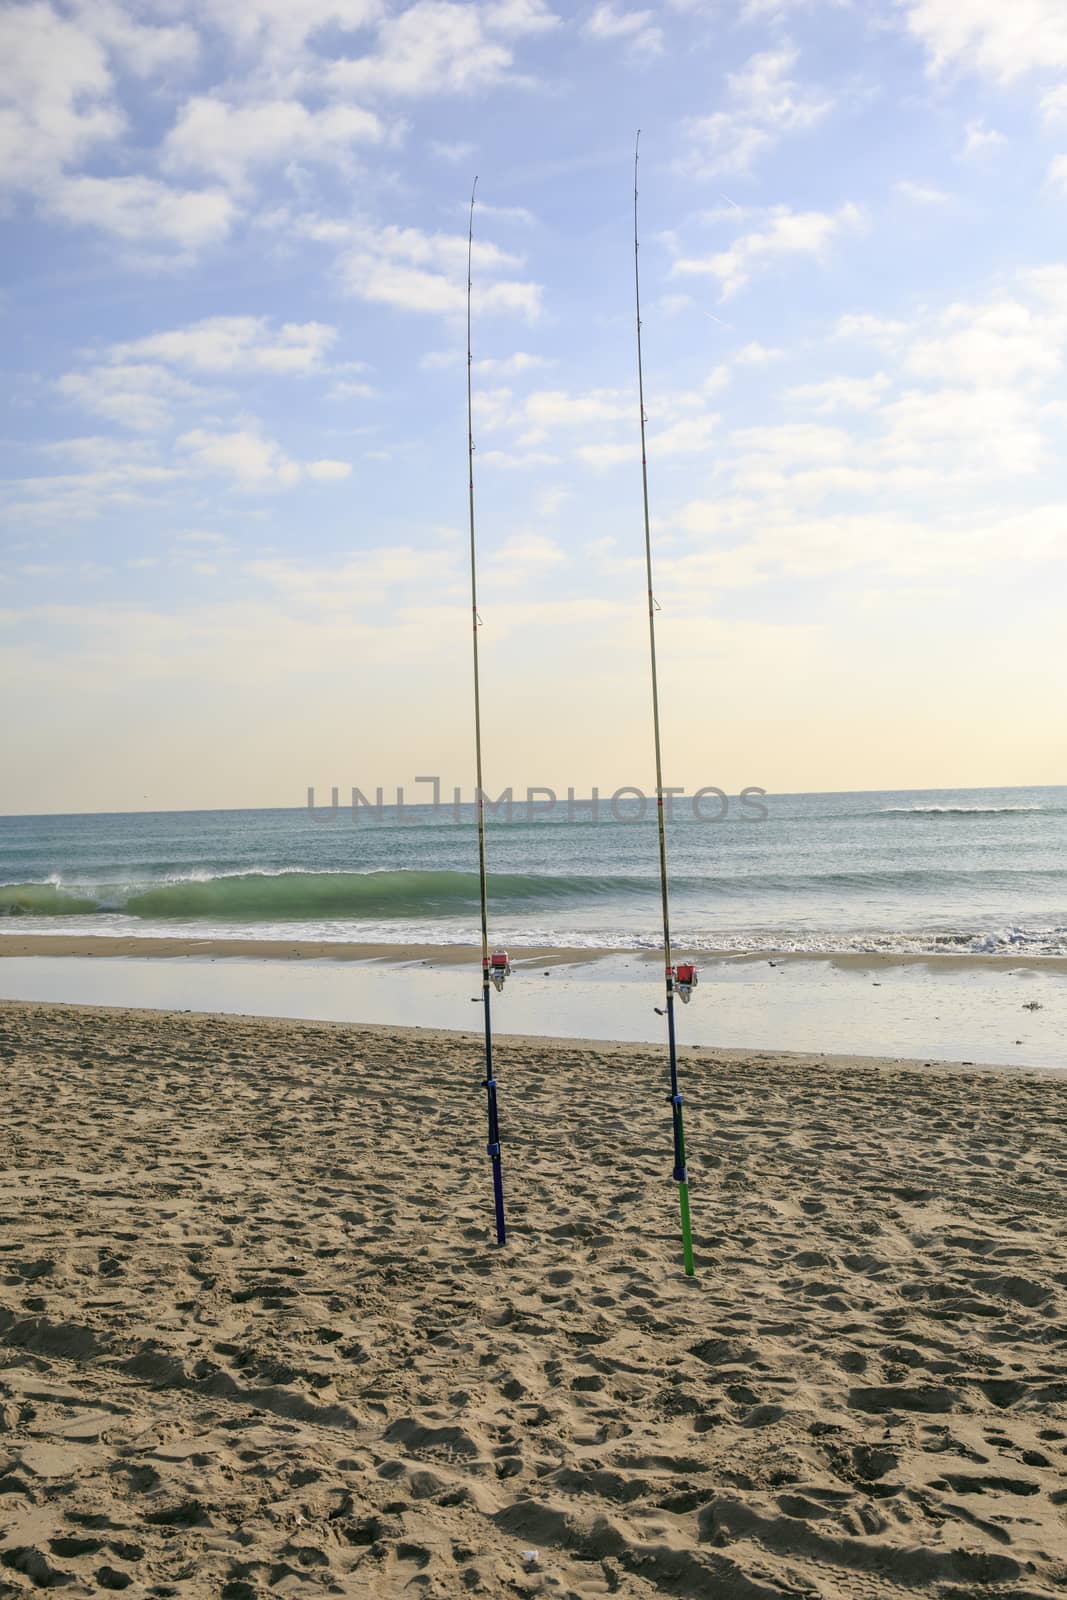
{"points": [[978, 871]]}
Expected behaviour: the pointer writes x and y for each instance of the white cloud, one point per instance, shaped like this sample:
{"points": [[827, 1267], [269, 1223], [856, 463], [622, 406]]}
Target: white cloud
{"points": [[254, 461], [522, 560], [603, 456], [363, 580], [505, 213], [980, 140], [1049, 284], [1057, 173], [512, 366], [226, 141], [995, 344], [236, 344], [688, 436], [757, 355], [764, 103], [636, 28], [999, 39], [556, 408], [787, 233], [136, 395], [55, 95], [984, 431], [143, 48], [518, 17], [346, 389], [921, 193], [440, 47], [144, 211], [1054, 104], [113, 473], [417, 271], [842, 394], [245, 454], [279, 29], [776, 10], [452, 150], [879, 330]]}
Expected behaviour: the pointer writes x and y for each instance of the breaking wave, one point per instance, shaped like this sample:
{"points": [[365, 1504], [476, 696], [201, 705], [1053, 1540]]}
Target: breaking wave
{"points": [[297, 896]]}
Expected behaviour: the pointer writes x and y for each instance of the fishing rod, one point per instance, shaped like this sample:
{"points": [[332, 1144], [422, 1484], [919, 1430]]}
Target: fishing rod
{"points": [[680, 979], [495, 967]]}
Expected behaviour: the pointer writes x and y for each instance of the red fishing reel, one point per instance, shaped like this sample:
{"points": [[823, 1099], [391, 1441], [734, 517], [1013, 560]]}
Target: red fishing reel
{"points": [[499, 968], [685, 980]]}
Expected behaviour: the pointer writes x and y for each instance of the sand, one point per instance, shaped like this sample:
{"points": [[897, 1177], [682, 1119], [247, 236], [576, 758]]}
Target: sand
{"points": [[255, 1340]]}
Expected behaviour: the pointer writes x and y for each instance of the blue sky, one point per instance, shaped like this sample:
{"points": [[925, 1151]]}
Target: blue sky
{"points": [[233, 448]]}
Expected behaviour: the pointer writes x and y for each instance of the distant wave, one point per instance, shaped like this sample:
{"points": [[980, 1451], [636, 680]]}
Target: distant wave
{"points": [[953, 811], [290, 895]]}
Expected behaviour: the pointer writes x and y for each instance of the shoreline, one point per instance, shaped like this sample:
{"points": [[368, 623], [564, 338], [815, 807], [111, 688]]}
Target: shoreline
{"points": [[172, 947], [1008, 1014]]}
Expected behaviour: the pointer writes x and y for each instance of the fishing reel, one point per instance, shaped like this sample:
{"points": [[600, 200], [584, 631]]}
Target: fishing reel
{"points": [[499, 968], [685, 980]]}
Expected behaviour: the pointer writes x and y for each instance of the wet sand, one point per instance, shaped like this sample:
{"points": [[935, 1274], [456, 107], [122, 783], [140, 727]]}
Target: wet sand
{"points": [[255, 1339], [132, 945]]}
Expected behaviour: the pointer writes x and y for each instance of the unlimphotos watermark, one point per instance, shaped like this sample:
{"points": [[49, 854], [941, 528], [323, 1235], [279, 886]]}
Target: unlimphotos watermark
{"points": [[628, 803]]}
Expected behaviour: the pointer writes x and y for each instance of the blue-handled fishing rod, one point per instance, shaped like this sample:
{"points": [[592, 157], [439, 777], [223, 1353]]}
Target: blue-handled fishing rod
{"points": [[495, 967], [682, 978]]}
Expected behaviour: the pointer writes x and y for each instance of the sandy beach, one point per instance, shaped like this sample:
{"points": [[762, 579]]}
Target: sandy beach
{"points": [[256, 1339]]}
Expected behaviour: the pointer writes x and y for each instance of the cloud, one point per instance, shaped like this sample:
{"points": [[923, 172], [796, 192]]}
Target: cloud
{"points": [[412, 270], [775, 10], [842, 394], [361, 581], [922, 194], [981, 431], [144, 211], [251, 459], [757, 355], [980, 140], [557, 408], [143, 48], [764, 103], [999, 40], [1054, 104], [280, 29], [453, 151], [440, 47], [636, 28], [996, 344], [56, 95], [523, 559], [1057, 173], [861, 325], [136, 395], [512, 366], [226, 141], [111, 473], [805, 233], [688, 436], [505, 213], [236, 344]]}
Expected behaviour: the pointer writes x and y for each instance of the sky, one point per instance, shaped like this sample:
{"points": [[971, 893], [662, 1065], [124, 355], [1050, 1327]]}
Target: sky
{"points": [[233, 558]]}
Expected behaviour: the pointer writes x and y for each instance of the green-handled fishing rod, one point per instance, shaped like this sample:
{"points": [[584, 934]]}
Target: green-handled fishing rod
{"points": [[682, 978], [495, 967]]}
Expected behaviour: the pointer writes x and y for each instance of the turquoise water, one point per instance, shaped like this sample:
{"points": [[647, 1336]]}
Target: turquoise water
{"points": [[980, 871]]}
